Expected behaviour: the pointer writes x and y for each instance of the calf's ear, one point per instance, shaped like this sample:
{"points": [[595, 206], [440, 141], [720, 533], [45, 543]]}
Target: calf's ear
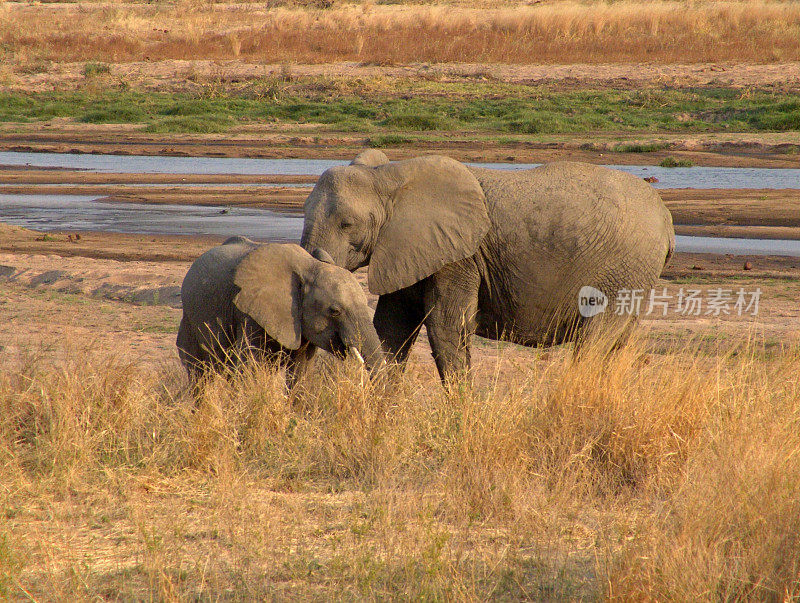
{"points": [[322, 256], [269, 291]]}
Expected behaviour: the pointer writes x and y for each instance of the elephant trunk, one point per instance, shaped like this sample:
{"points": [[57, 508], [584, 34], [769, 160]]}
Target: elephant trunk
{"points": [[363, 343]]}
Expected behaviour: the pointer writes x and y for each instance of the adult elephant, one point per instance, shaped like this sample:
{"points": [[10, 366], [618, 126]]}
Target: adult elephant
{"points": [[502, 254], [275, 301]]}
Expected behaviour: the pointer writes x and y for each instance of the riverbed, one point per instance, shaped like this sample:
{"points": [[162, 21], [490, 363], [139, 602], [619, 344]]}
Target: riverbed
{"points": [[180, 202], [75, 213]]}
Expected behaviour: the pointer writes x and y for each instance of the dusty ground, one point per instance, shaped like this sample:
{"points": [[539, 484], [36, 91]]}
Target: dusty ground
{"points": [[171, 75]]}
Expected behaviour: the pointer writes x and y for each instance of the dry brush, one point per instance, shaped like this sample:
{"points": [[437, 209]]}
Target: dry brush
{"points": [[598, 32], [636, 475]]}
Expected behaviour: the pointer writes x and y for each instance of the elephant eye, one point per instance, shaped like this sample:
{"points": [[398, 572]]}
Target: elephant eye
{"points": [[333, 311], [345, 224]]}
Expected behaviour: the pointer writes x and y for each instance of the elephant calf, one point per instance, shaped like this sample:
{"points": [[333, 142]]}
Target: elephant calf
{"points": [[276, 301]]}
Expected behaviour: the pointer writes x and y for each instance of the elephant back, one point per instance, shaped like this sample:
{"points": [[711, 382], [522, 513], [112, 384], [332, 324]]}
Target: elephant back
{"points": [[207, 291], [566, 225]]}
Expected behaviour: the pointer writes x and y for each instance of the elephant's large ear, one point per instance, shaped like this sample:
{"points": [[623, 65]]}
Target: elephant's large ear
{"points": [[437, 216], [269, 283]]}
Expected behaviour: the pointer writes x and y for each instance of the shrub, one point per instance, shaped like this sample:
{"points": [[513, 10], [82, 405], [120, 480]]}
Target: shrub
{"points": [[200, 125], [639, 147], [672, 162], [94, 68], [113, 114]]}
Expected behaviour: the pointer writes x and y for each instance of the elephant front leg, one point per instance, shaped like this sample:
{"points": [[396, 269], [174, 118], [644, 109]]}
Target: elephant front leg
{"points": [[451, 351], [451, 305]]}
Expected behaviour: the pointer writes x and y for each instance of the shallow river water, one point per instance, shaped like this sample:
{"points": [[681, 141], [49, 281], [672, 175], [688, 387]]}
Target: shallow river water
{"points": [[70, 213], [694, 177]]}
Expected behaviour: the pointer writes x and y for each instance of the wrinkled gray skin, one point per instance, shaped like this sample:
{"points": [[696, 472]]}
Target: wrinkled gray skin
{"points": [[276, 301], [500, 254]]}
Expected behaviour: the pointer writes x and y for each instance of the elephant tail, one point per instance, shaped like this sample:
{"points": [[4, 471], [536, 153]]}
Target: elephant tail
{"points": [[670, 248]]}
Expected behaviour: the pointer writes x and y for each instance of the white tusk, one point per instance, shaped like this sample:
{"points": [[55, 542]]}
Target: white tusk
{"points": [[357, 354]]}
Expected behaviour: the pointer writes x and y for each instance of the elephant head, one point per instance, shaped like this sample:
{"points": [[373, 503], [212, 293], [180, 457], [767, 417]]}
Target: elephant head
{"points": [[406, 219], [294, 296]]}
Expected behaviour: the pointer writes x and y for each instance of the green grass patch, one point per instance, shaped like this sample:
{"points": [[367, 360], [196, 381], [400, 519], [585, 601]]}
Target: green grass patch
{"points": [[199, 106], [168, 327], [199, 125], [783, 122], [417, 121], [420, 106], [93, 68], [387, 140], [113, 115], [672, 162], [639, 147]]}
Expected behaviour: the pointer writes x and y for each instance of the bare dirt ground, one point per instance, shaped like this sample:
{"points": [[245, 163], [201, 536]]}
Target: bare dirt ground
{"points": [[174, 75], [733, 212]]}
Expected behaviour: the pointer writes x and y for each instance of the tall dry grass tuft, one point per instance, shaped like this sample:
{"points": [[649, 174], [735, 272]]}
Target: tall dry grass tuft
{"points": [[631, 474], [66, 423], [729, 527], [762, 31]]}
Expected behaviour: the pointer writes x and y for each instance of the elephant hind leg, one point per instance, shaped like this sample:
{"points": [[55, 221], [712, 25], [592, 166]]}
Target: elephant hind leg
{"points": [[189, 351], [609, 334]]}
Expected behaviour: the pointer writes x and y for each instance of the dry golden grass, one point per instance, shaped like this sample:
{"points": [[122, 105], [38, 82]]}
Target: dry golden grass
{"points": [[661, 31], [636, 475]]}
